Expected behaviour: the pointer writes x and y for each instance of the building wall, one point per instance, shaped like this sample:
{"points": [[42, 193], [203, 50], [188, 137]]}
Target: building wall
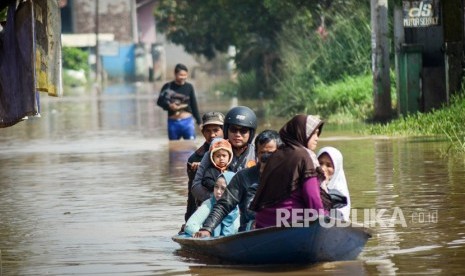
{"points": [[130, 25], [175, 54], [146, 24], [114, 17]]}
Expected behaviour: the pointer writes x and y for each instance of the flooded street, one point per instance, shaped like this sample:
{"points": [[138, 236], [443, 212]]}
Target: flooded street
{"points": [[94, 187]]}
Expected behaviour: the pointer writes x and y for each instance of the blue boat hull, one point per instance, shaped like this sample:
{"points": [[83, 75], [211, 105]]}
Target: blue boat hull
{"points": [[283, 245]]}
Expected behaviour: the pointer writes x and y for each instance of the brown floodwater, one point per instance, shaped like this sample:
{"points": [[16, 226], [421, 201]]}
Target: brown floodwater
{"points": [[93, 187]]}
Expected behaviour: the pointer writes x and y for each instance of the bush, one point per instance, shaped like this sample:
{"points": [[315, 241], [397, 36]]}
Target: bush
{"points": [[313, 62], [245, 88], [350, 97], [75, 66], [75, 59], [446, 122]]}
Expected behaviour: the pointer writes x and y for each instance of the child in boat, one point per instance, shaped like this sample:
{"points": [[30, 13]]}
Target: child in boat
{"points": [[229, 225], [212, 127], [221, 155], [243, 186], [335, 183], [239, 127]]}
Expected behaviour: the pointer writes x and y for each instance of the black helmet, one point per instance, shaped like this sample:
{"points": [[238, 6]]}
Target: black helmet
{"points": [[241, 116]]}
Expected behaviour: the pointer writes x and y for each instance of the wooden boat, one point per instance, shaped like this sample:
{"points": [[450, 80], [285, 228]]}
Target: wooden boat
{"points": [[283, 245]]}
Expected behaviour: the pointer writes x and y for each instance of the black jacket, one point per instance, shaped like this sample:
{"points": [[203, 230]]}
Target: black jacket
{"points": [[209, 177], [240, 191], [188, 91], [195, 157]]}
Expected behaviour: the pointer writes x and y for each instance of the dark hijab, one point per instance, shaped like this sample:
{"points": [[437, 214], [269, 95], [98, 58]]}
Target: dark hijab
{"points": [[290, 165]]}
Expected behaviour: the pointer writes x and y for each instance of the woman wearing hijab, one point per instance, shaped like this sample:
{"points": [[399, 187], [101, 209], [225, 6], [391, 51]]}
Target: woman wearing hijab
{"points": [[290, 179], [331, 162], [229, 225]]}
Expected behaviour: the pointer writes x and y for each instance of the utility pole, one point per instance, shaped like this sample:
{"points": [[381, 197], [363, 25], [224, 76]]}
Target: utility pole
{"points": [[97, 54], [399, 40], [380, 60]]}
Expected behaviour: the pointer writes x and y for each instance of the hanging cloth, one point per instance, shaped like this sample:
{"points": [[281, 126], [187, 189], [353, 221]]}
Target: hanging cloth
{"points": [[47, 31], [18, 97]]}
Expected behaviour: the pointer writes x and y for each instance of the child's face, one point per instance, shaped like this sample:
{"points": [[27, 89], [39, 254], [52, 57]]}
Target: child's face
{"points": [[221, 157], [219, 188], [326, 165]]}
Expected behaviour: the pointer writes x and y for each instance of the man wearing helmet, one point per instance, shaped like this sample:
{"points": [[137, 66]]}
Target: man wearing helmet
{"points": [[242, 187], [239, 129]]}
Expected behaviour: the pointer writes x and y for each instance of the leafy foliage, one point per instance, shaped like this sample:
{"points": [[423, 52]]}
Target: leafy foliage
{"points": [[313, 61], [75, 58], [448, 121], [351, 96], [246, 82], [211, 26], [347, 100], [75, 62], [3, 13]]}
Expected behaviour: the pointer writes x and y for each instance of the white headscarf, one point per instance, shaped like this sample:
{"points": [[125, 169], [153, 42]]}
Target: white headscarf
{"points": [[338, 180]]}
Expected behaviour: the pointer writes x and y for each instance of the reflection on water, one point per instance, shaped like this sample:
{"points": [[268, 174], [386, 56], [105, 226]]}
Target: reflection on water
{"points": [[179, 152], [94, 187]]}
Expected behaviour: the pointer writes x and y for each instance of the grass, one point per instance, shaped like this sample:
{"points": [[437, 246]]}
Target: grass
{"points": [[345, 101], [447, 122]]}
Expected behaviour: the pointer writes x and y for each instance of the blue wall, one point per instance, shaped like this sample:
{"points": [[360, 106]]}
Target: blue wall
{"points": [[121, 66]]}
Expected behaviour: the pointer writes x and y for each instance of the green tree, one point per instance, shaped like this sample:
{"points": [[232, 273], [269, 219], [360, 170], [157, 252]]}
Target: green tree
{"points": [[252, 26], [312, 60]]}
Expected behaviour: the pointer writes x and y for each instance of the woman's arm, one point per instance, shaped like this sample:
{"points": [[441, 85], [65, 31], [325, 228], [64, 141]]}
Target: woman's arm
{"points": [[311, 193], [195, 221]]}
